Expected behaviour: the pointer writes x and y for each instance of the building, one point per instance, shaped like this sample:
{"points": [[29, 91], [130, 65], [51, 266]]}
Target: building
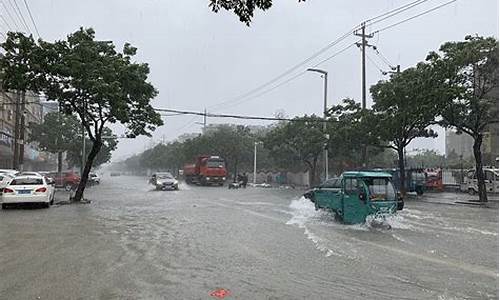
{"points": [[33, 113]]}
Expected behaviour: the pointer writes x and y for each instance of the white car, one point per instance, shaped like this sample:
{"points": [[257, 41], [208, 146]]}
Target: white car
{"points": [[28, 189], [94, 178]]}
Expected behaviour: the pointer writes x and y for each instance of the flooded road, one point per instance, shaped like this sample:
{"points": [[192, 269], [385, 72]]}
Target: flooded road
{"points": [[136, 243]]}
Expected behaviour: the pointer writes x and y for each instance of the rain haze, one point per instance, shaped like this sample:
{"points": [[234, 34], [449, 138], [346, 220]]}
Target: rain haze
{"points": [[346, 205], [199, 59]]}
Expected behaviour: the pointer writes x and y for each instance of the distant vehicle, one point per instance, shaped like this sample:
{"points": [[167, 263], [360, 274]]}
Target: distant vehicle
{"points": [[207, 170], [361, 193], [470, 181], [28, 189], [415, 179], [94, 178], [164, 181], [114, 174], [69, 180]]}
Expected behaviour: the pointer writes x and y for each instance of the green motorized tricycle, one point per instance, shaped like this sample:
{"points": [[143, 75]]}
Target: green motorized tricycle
{"points": [[358, 195]]}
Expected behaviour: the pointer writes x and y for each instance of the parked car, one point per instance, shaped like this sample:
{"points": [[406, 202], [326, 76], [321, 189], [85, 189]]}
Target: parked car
{"points": [[28, 189], [491, 181], [114, 174], [94, 178], [164, 181], [69, 180]]}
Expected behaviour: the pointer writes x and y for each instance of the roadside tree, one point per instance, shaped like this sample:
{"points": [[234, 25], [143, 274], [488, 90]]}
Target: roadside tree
{"points": [[56, 134], [90, 79], [404, 108], [301, 140], [470, 91]]}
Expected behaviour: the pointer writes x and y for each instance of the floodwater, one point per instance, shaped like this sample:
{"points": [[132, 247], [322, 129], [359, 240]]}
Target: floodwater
{"points": [[133, 242]]}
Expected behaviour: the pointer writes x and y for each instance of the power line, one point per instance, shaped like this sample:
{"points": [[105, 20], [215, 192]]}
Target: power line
{"points": [[415, 16], [10, 16], [212, 115], [22, 17], [322, 50], [31, 17], [398, 11], [290, 70], [394, 10], [374, 63], [290, 79], [6, 23]]}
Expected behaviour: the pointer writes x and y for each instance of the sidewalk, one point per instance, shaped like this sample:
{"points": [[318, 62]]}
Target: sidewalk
{"points": [[450, 198]]}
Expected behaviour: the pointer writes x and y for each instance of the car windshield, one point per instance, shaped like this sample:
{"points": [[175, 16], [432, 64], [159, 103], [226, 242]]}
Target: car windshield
{"points": [[331, 183], [164, 176], [213, 163], [27, 181], [380, 188]]}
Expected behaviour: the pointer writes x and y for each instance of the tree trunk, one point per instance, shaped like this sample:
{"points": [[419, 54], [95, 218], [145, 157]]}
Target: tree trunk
{"points": [[481, 185], [96, 147], [313, 167], [402, 172], [59, 163]]}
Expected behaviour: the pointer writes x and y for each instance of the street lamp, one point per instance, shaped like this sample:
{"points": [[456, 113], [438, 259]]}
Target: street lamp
{"points": [[255, 161], [325, 76]]}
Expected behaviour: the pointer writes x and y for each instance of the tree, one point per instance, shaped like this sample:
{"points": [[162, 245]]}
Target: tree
{"points": [[56, 134], [349, 134], [90, 79], [470, 94], [404, 107], [18, 66], [301, 140], [244, 9], [74, 151]]}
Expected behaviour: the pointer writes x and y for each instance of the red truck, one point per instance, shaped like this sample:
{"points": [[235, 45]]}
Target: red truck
{"points": [[206, 170]]}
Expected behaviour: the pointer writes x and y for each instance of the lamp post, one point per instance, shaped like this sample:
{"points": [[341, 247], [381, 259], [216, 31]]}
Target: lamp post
{"points": [[255, 161], [325, 76]]}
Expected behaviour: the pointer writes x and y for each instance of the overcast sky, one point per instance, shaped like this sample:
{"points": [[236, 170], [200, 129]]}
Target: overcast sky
{"points": [[199, 59]]}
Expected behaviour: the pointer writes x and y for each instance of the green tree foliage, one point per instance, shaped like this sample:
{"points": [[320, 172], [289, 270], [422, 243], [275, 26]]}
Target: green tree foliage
{"points": [[233, 143], [74, 152], [90, 79], [244, 9], [470, 95], [404, 108], [426, 159], [349, 134], [56, 134], [301, 141]]}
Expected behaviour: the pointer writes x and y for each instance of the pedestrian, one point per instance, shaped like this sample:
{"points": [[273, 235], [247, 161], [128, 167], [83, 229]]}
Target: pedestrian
{"points": [[245, 179]]}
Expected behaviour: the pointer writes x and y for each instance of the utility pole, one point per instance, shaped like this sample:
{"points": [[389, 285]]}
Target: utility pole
{"points": [[325, 111], [15, 159], [204, 119], [23, 129], [255, 162], [363, 46]]}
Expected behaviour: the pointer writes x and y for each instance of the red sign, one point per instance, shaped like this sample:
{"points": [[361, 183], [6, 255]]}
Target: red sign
{"points": [[220, 293]]}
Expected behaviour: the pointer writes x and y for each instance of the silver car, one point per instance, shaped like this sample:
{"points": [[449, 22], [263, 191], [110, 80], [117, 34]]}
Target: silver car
{"points": [[164, 181]]}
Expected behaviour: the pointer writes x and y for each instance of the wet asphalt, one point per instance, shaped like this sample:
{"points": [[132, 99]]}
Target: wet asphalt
{"points": [[133, 242]]}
